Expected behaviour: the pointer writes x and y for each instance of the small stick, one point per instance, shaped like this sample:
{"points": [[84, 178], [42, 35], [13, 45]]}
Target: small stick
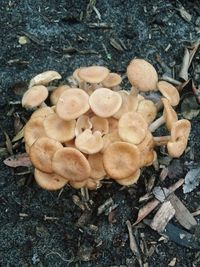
{"points": [[85, 194]]}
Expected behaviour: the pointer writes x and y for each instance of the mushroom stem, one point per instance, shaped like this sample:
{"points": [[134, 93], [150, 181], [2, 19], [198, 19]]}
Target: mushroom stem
{"points": [[156, 124], [159, 105], [161, 140], [85, 194]]}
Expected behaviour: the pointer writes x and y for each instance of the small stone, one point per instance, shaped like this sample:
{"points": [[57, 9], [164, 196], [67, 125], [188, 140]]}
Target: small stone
{"points": [[23, 40]]}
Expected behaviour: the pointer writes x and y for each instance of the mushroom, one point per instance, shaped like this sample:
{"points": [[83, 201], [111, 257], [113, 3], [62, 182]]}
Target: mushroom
{"points": [[99, 124], [34, 97], [42, 151], [179, 137], [44, 78], [104, 102], [57, 93], [49, 181], [59, 129], [148, 110], [88, 142], [78, 185], [72, 103], [92, 184], [121, 160], [109, 139], [132, 128], [146, 150], [130, 180], [82, 123], [170, 92], [71, 164], [112, 81], [97, 168], [42, 112], [142, 75], [169, 117]]}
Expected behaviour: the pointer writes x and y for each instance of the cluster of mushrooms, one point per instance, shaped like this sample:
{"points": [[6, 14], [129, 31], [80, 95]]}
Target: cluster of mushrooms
{"points": [[95, 130]]}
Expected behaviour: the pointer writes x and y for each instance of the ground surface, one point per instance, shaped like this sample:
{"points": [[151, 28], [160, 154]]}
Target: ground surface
{"points": [[61, 37]]}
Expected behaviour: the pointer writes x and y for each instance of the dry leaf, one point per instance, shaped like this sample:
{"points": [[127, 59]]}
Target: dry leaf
{"points": [[18, 136], [20, 160], [189, 107], [192, 180]]}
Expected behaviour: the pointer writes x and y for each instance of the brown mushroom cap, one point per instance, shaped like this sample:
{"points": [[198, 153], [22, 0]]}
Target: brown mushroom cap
{"points": [[109, 139], [49, 181], [130, 180], [42, 151], [34, 97], [121, 160], [146, 150], [147, 109], [169, 91], [93, 74], [132, 128], [142, 75], [59, 129], [34, 129], [42, 112], [179, 137], [100, 124], [72, 103], [82, 123], [57, 93], [71, 164], [88, 142], [78, 185], [105, 102], [124, 106], [169, 114], [44, 78], [112, 80], [92, 184], [97, 168]]}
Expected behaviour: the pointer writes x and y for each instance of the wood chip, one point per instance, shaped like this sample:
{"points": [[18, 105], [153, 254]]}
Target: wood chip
{"points": [[19, 160], [184, 14], [172, 262]]}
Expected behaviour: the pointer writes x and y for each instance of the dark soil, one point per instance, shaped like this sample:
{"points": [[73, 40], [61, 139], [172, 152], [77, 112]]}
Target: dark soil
{"points": [[61, 37]]}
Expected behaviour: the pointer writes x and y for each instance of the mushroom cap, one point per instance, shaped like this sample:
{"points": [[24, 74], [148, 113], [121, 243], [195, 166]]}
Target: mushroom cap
{"points": [[93, 74], [100, 124], [76, 75], [59, 129], [105, 102], [42, 112], [57, 93], [88, 142], [112, 80], [113, 124], [41, 153], [71, 164], [142, 75], [169, 114], [148, 110], [169, 91], [49, 181], [124, 106], [121, 160], [179, 137], [82, 123], [110, 138], [92, 184], [78, 185], [146, 149], [132, 128], [72, 103], [44, 78], [97, 168], [34, 129], [130, 180], [34, 96]]}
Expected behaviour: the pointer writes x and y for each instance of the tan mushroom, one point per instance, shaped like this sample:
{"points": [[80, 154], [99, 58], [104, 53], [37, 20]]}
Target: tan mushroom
{"points": [[169, 91], [121, 160], [44, 78], [78, 185], [110, 138], [57, 93], [146, 150], [97, 168], [42, 151], [148, 110], [130, 180], [42, 112], [92, 184], [104, 102], [112, 81], [99, 124], [59, 129], [49, 181], [142, 75], [132, 127], [34, 97], [72, 103], [93, 74], [82, 123]]}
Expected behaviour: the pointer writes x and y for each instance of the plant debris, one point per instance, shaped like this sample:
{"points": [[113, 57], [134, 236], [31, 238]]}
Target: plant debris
{"points": [[192, 180], [20, 160]]}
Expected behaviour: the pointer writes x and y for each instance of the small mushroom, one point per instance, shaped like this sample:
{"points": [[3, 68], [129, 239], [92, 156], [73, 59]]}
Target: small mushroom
{"points": [[142, 75], [82, 123], [132, 128], [57, 93], [34, 97], [42, 112], [44, 78], [72, 103], [170, 92], [104, 102], [100, 124], [146, 150], [49, 181], [121, 160], [93, 74], [97, 168], [112, 81], [148, 110], [130, 180]]}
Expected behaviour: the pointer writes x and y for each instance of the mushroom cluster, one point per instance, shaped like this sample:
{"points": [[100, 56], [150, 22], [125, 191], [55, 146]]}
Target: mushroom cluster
{"points": [[95, 130]]}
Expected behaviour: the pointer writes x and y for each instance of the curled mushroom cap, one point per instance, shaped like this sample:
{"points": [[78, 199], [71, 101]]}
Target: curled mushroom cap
{"points": [[104, 102], [45, 78], [57, 93], [82, 123], [34, 96], [72, 103], [59, 129], [147, 109], [132, 127], [71, 164], [49, 181], [34, 129], [97, 167], [88, 142], [112, 80], [42, 112], [42, 151], [142, 75], [130, 180], [93, 74], [100, 124], [146, 149], [121, 160], [170, 92], [179, 138]]}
